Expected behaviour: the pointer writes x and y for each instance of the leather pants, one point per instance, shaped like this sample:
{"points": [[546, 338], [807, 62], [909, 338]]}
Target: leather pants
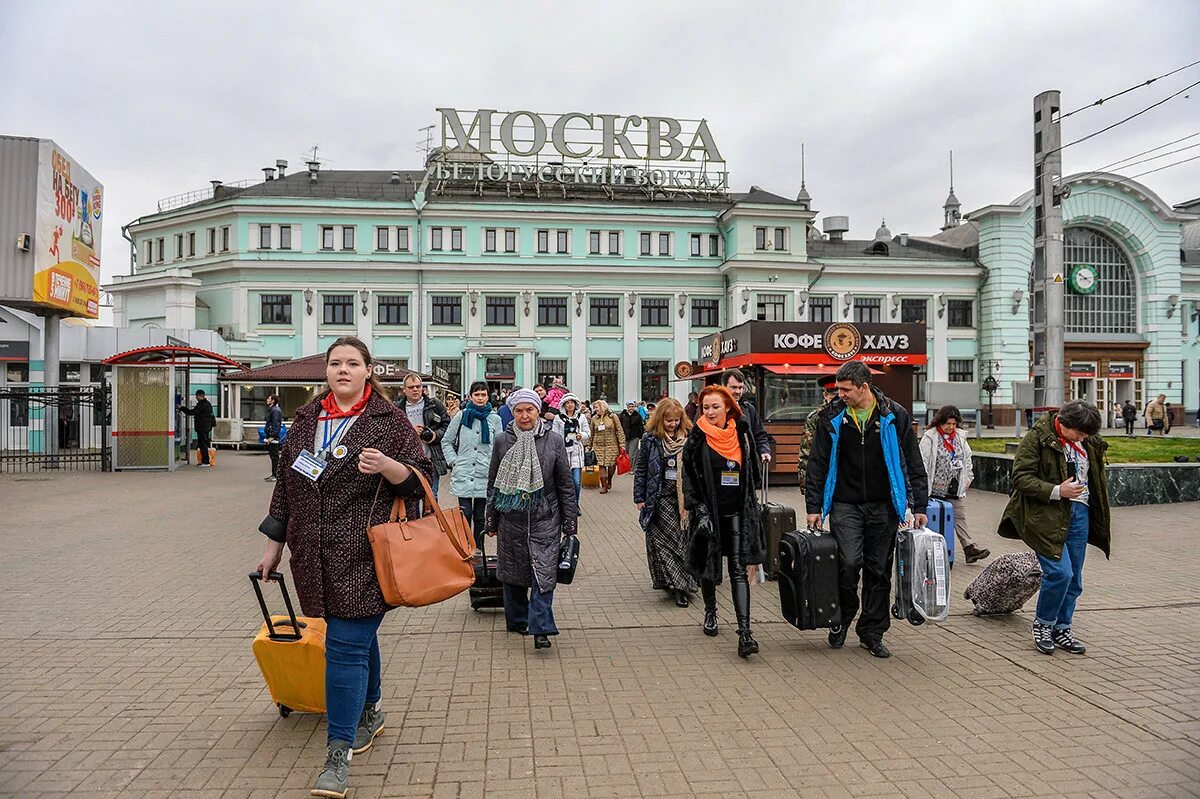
{"points": [[739, 586]]}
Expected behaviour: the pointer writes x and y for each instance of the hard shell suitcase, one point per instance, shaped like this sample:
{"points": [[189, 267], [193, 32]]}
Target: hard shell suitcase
{"points": [[922, 576], [290, 651], [776, 520], [591, 477], [488, 591], [808, 579], [941, 520], [1006, 584]]}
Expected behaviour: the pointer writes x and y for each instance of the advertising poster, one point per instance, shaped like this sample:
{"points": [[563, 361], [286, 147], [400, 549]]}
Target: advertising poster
{"points": [[70, 209]]}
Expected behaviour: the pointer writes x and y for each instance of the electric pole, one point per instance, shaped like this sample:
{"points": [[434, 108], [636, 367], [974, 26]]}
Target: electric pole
{"points": [[1048, 280]]}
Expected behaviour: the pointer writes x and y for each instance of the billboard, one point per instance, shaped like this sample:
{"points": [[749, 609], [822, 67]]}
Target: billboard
{"points": [[69, 213]]}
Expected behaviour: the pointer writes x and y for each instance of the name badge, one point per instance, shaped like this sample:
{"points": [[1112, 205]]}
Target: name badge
{"points": [[600, 427], [671, 475], [309, 465], [730, 478]]}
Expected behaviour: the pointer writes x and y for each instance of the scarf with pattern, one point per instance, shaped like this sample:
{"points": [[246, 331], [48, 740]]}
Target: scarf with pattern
{"points": [[519, 476]]}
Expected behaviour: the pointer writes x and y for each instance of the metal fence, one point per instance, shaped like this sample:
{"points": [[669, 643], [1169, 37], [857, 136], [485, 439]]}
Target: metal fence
{"points": [[55, 428]]}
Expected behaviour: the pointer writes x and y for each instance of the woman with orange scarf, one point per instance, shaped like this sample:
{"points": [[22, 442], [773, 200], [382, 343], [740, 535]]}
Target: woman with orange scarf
{"points": [[720, 475]]}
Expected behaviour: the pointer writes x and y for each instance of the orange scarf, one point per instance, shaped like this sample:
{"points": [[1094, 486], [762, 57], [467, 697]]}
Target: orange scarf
{"points": [[332, 411], [724, 441]]}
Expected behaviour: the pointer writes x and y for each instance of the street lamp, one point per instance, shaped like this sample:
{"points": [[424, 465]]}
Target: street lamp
{"points": [[990, 385]]}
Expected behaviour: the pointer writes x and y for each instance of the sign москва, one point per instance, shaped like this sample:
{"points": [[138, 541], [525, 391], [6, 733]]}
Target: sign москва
{"points": [[578, 136]]}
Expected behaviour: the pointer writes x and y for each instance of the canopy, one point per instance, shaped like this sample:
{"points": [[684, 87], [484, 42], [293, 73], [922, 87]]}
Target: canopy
{"points": [[171, 355], [809, 368]]}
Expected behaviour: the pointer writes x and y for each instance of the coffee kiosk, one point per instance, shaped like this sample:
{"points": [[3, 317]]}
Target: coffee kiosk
{"points": [[783, 361]]}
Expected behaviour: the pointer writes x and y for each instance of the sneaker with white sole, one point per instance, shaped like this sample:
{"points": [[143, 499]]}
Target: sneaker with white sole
{"points": [[1043, 638], [334, 780], [370, 724], [1063, 639]]}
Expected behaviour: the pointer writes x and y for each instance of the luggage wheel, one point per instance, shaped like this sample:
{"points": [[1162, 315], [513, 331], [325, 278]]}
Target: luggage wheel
{"points": [[896, 612], [915, 619], [284, 711]]}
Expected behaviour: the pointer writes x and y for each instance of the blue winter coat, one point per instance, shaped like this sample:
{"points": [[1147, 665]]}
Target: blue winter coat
{"points": [[467, 457]]}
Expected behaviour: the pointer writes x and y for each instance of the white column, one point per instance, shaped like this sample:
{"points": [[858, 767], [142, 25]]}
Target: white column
{"points": [[241, 309], [631, 384], [579, 362], [939, 364], [680, 389]]}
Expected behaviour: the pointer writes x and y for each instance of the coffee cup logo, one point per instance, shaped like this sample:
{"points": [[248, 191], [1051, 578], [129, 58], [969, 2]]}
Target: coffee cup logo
{"points": [[715, 355], [842, 341]]}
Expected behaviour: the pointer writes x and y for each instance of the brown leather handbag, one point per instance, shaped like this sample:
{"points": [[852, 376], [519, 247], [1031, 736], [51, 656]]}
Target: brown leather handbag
{"points": [[422, 561]]}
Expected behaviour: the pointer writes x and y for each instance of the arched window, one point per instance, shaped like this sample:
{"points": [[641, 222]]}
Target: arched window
{"points": [[1100, 296]]}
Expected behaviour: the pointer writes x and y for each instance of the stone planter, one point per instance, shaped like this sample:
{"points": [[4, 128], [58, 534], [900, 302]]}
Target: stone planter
{"points": [[1128, 483]]}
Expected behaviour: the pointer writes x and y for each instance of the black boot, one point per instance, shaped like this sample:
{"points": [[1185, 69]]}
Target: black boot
{"points": [[739, 587], [708, 591]]}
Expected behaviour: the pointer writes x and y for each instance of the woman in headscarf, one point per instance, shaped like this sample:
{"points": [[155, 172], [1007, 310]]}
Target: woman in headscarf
{"points": [[573, 426], [658, 493], [532, 508], [719, 477], [467, 446], [608, 442]]}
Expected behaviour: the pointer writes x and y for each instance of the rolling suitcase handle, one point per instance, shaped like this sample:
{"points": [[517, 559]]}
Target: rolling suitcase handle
{"points": [[295, 624]]}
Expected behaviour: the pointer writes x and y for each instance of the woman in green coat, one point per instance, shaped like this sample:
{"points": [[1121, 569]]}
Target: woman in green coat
{"points": [[1059, 505]]}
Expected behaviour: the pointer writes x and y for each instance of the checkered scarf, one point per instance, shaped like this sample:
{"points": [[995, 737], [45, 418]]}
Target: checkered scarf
{"points": [[519, 476]]}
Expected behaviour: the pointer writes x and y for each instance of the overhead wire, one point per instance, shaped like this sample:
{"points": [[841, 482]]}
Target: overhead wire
{"points": [[1129, 178], [1152, 149], [1135, 87], [1155, 157], [1135, 115]]}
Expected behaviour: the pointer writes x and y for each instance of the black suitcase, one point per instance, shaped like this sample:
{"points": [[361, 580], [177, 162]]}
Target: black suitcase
{"points": [[488, 591], [808, 579], [776, 520]]}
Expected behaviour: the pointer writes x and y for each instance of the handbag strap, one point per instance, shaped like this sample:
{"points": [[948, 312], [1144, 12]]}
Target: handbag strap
{"points": [[431, 502]]}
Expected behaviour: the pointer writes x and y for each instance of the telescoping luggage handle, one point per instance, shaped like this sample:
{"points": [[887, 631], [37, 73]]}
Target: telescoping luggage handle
{"points": [[295, 624]]}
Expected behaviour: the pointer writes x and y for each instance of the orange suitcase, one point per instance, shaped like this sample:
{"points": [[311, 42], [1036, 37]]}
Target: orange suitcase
{"points": [[590, 477], [212, 457], [290, 651]]}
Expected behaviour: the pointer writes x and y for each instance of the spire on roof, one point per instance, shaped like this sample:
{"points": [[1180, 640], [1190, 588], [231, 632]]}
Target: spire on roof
{"points": [[950, 209], [804, 198]]}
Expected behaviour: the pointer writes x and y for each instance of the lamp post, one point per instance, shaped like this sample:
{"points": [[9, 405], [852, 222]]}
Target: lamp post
{"points": [[990, 385]]}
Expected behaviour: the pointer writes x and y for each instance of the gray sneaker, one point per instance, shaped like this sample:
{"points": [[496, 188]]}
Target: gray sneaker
{"points": [[334, 779], [370, 724]]}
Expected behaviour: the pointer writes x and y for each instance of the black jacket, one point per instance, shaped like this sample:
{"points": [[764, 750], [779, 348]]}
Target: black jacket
{"points": [[274, 426], [762, 439], [202, 412], [700, 500], [633, 424], [436, 420]]}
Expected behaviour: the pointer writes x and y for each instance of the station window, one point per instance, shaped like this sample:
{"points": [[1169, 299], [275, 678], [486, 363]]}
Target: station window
{"points": [[867, 310], [435, 239], [381, 239], [348, 237], [760, 238], [264, 237], [961, 370], [543, 241], [550, 368], [149, 254], [178, 246], [510, 240], [771, 307], [706, 313], [500, 311], [614, 242], [18, 407], [959, 313], [594, 242], [820, 309], [914, 312], [161, 246], [604, 312], [552, 311], [603, 381], [654, 380], [327, 237], [447, 310], [561, 241], [656, 312], [210, 237], [338, 309], [780, 239], [664, 243], [920, 376], [285, 237], [392, 310], [401, 239], [456, 239], [489, 239], [225, 239], [696, 245], [276, 309], [453, 368], [192, 244], [714, 245]]}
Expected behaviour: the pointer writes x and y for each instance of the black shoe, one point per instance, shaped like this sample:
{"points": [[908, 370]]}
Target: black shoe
{"points": [[837, 637], [876, 648], [522, 630], [681, 599], [1063, 639], [747, 646], [541, 642], [710, 622], [1043, 638], [974, 553]]}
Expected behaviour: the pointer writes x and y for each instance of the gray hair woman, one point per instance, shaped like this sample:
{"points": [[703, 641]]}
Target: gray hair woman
{"points": [[531, 507]]}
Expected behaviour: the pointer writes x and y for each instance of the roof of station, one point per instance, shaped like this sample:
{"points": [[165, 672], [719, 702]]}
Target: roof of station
{"points": [[309, 370], [917, 247]]}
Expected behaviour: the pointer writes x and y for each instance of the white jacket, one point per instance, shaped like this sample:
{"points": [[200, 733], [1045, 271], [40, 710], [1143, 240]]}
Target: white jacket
{"points": [[929, 443], [574, 447]]}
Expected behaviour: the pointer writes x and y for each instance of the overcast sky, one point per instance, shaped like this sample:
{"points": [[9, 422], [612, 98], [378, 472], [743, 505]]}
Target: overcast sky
{"points": [[156, 99]]}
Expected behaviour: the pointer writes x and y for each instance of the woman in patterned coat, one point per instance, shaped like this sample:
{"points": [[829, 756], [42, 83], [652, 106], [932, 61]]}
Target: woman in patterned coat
{"points": [[608, 442], [348, 455]]}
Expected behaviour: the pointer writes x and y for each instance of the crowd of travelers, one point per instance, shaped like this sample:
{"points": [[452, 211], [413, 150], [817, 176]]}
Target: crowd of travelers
{"points": [[516, 460]]}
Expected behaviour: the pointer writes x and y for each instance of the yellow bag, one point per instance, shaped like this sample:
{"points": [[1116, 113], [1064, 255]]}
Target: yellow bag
{"points": [[591, 477], [290, 651]]}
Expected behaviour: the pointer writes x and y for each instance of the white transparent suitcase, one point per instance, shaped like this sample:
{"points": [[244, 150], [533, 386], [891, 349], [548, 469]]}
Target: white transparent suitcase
{"points": [[922, 576]]}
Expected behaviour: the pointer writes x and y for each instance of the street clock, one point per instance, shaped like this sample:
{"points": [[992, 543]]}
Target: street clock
{"points": [[1084, 279]]}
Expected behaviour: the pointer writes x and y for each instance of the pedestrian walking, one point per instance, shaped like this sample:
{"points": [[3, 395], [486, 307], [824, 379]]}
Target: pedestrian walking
{"points": [[453, 405], [467, 448], [548, 411], [1156, 415], [429, 418], [1129, 414], [828, 394], [720, 474], [504, 411], [693, 406], [531, 507], [272, 432], [608, 442], [576, 431], [634, 427], [735, 381], [864, 474], [658, 494], [946, 455], [205, 421], [1059, 505], [350, 452]]}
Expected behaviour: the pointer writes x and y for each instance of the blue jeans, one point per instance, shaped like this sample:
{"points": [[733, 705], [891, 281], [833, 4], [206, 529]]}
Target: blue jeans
{"points": [[352, 672], [475, 510], [529, 608], [1062, 579], [577, 478]]}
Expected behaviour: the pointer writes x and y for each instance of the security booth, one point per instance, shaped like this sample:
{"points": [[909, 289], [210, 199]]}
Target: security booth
{"points": [[783, 361], [149, 385], [296, 382]]}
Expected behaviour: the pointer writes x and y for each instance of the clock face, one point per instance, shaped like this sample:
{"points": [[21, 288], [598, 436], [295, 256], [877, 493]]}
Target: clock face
{"points": [[1084, 279]]}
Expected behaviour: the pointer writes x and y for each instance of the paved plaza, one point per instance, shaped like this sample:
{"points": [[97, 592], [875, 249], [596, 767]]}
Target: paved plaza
{"points": [[126, 670]]}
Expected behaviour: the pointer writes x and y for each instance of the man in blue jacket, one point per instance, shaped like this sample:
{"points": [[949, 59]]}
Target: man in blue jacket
{"points": [[864, 474]]}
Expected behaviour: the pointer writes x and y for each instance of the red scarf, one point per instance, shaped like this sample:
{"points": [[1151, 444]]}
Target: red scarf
{"points": [[1065, 442], [332, 411], [948, 441]]}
